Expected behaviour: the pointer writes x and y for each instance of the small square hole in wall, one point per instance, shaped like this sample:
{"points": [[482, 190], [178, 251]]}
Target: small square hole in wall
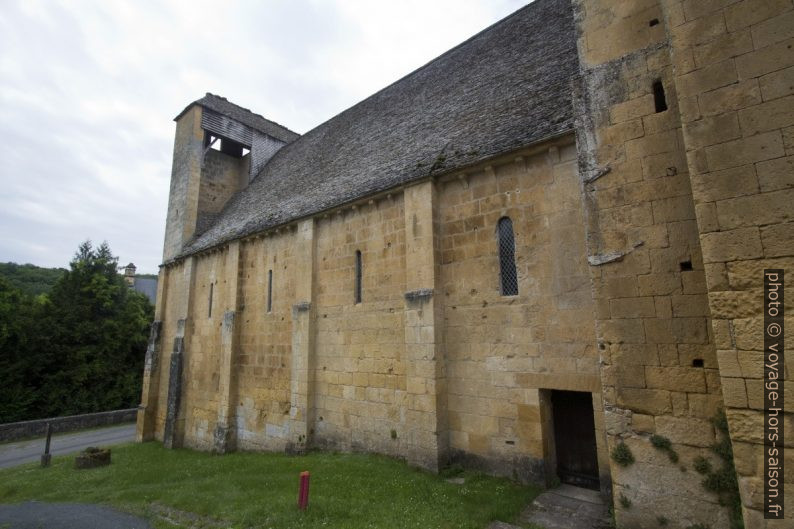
{"points": [[697, 362], [654, 22], [686, 266]]}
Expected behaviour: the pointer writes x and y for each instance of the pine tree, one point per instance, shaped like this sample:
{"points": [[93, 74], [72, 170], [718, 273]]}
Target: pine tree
{"points": [[79, 349]]}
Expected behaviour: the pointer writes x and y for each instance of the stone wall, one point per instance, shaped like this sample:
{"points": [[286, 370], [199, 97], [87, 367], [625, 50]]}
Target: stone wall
{"points": [[185, 179], [659, 366], [173, 300], [360, 383], [432, 364], [202, 182], [264, 360], [201, 371], [735, 80], [502, 351], [222, 176], [14, 431]]}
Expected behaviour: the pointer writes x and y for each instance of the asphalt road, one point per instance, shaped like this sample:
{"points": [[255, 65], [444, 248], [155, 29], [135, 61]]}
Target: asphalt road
{"points": [[36, 515], [12, 454]]}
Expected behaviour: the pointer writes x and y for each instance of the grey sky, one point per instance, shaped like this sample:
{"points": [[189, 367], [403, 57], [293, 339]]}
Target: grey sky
{"points": [[89, 89]]}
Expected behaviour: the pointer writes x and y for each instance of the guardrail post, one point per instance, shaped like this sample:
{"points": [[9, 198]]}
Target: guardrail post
{"points": [[45, 457]]}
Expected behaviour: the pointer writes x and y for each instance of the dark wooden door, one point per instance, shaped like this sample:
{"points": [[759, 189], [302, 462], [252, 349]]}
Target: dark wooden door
{"points": [[574, 438]]}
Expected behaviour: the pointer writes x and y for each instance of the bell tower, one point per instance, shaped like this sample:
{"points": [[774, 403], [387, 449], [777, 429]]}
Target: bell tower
{"points": [[218, 148]]}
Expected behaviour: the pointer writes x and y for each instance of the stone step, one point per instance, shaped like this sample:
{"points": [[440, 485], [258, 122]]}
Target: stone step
{"points": [[568, 507]]}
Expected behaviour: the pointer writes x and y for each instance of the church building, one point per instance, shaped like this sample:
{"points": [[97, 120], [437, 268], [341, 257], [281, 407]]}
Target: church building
{"points": [[540, 255]]}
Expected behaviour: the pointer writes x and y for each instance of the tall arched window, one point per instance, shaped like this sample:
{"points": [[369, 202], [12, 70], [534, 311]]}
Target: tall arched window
{"points": [[507, 257], [358, 276]]}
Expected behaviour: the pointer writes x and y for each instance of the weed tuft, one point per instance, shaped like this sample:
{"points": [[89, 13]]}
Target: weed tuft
{"points": [[622, 455], [722, 481], [624, 501], [661, 442], [664, 444]]}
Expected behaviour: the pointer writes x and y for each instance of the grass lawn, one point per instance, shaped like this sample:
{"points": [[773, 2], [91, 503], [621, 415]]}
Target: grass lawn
{"points": [[256, 490]]}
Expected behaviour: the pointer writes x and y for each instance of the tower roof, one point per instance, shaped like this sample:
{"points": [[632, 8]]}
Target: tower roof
{"points": [[223, 106]]}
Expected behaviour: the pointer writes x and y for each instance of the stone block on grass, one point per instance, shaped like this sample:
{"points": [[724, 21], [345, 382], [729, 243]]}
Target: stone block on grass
{"points": [[92, 457]]}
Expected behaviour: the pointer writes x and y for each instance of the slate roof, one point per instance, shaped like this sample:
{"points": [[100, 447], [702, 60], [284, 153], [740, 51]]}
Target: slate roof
{"points": [[223, 106], [507, 87]]}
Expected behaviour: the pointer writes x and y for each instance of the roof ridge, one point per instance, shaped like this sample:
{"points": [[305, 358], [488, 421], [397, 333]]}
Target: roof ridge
{"points": [[246, 116], [249, 111], [210, 94]]}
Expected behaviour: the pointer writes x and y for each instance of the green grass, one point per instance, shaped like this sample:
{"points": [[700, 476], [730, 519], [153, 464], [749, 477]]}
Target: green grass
{"points": [[256, 490]]}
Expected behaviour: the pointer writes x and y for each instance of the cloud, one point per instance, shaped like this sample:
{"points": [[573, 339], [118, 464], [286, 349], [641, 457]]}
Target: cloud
{"points": [[90, 89]]}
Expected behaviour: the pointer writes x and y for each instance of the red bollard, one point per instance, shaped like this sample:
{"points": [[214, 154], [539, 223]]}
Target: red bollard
{"points": [[303, 493]]}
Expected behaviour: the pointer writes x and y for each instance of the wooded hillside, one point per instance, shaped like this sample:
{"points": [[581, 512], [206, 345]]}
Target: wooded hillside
{"points": [[30, 279]]}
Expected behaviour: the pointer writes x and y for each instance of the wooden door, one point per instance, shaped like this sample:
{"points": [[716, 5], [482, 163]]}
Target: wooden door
{"points": [[574, 438]]}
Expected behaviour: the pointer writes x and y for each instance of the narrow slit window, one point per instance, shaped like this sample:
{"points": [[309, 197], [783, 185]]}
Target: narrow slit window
{"points": [[269, 290], [507, 257], [659, 98], [358, 276], [209, 308]]}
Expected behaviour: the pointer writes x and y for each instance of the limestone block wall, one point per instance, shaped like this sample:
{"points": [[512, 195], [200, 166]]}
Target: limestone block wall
{"points": [[264, 358], [146, 421], [735, 81], [359, 366], [426, 406], [185, 177], [433, 362], [502, 352], [201, 373], [176, 287], [659, 365], [202, 182], [221, 177]]}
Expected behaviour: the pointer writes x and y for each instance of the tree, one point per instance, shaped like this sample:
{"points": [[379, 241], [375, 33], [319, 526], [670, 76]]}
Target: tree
{"points": [[79, 349], [18, 323]]}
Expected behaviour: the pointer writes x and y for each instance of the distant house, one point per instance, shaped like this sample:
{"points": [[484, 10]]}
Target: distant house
{"points": [[145, 285]]}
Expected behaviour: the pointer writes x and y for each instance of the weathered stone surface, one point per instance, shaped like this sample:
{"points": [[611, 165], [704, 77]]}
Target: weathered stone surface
{"points": [[676, 379], [174, 392], [649, 401], [778, 240], [643, 423], [738, 244], [694, 432], [731, 304], [567, 506], [746, 425]]}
